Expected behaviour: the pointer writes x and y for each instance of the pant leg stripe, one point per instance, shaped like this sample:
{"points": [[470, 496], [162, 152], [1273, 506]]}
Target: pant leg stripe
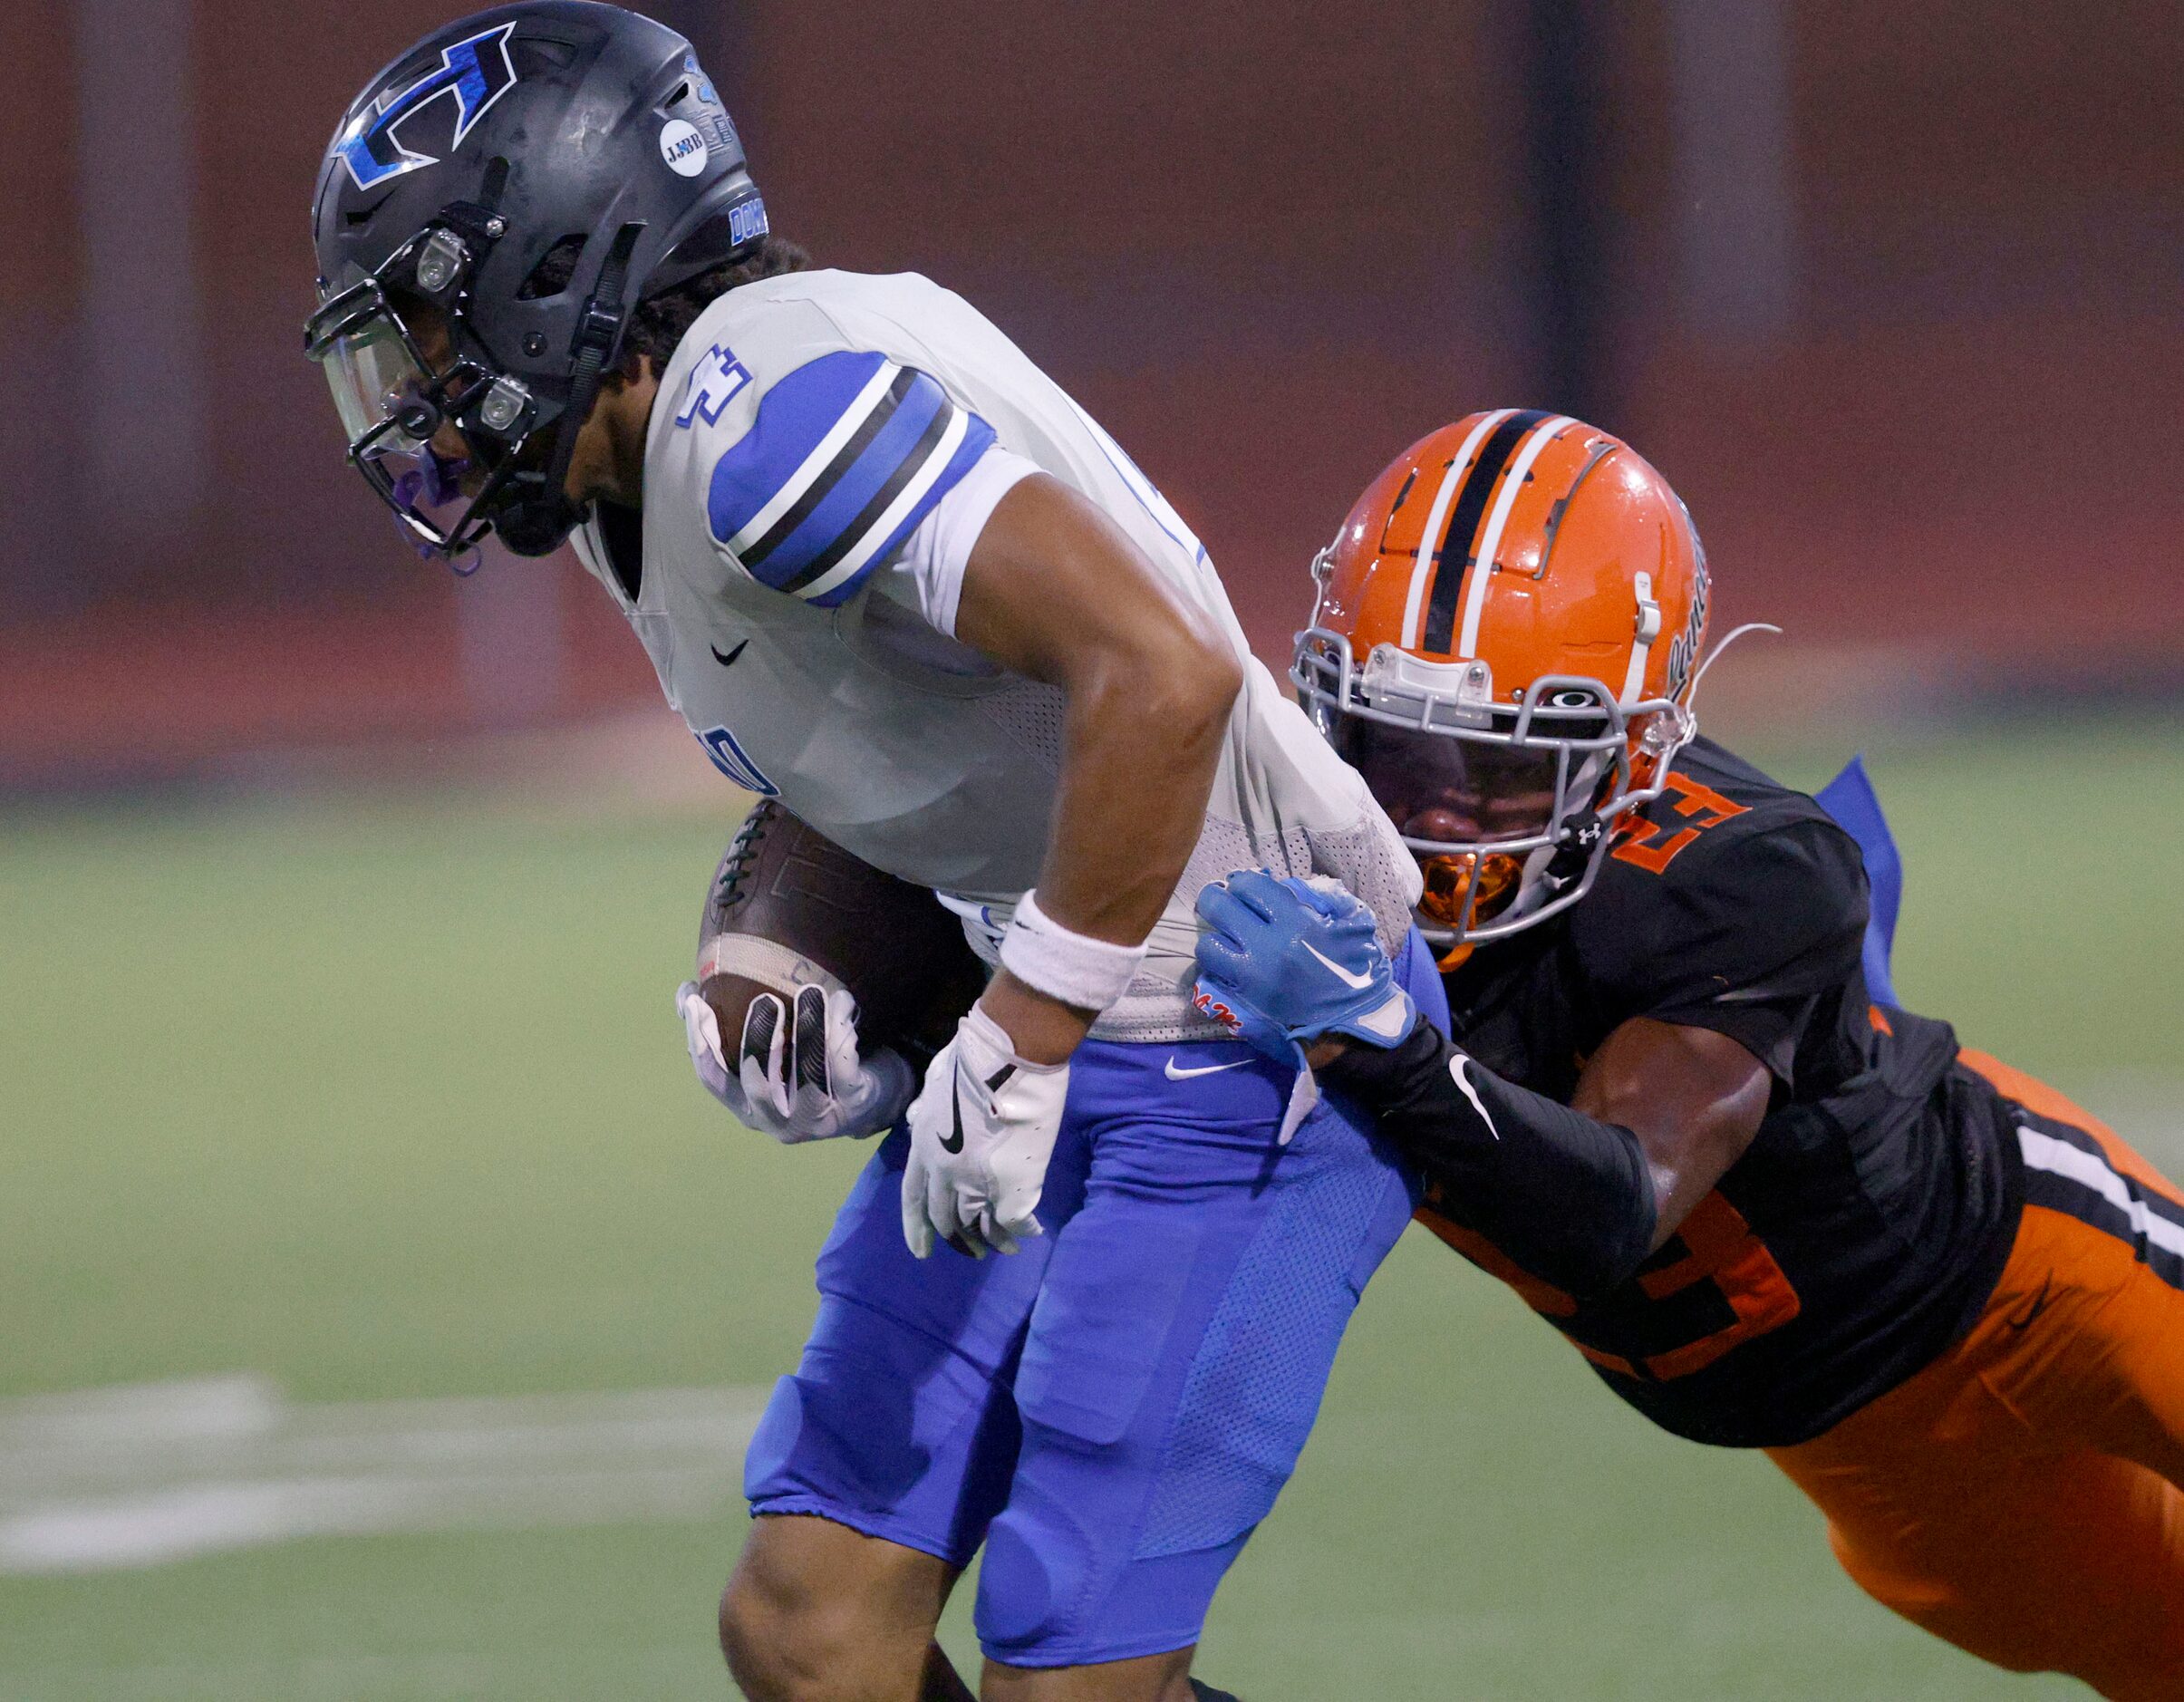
{"points": [[2064, 1176], [2158, 1201]]}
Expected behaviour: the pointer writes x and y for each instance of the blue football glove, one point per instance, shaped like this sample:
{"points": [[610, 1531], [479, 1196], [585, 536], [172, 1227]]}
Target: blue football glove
{"points": [[1282, 962]]}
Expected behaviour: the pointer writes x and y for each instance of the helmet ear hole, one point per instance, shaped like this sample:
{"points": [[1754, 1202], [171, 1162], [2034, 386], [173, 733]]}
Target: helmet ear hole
{"points": [[556, 267]]}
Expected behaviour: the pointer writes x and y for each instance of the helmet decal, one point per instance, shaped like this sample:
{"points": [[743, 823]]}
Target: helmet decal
{"points": [[476, 70], [1489, 550], [1682, 649], [682, 148], [1439, 525]]}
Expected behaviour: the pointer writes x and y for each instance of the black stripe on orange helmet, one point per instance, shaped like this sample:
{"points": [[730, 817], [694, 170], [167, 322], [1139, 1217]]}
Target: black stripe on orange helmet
{"points": [[1463, 520]]}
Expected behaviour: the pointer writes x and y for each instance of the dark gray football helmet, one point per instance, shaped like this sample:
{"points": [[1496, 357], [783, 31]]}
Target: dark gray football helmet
{"points": [[578, 135]]}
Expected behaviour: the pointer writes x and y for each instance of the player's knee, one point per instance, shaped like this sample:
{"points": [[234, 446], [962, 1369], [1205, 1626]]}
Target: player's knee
{"points": [[781, 1646], [814, 1611], [780, 1637], [752, 1638]]}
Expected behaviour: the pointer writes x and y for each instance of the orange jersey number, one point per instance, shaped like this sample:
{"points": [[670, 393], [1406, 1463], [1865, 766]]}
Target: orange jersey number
{"points": [[1654, 846], [1719, 1247]]}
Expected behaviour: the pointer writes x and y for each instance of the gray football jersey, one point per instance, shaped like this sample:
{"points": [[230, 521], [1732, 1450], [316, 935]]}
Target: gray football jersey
{"points": [[805, 428]]}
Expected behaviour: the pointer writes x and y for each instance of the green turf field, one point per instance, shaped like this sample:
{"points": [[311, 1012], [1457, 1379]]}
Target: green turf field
{"points": [[382, 1101]]}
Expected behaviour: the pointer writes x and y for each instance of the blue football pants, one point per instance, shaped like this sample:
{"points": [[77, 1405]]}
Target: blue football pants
{"points": [[1111, 1411]]}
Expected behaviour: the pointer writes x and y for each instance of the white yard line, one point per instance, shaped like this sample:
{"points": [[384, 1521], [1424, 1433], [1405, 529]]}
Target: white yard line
{"points": [[150, 1474]]}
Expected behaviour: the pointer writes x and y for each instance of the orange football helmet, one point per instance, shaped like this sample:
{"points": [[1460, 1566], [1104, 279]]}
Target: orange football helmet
{"points": [[1504, 644]]}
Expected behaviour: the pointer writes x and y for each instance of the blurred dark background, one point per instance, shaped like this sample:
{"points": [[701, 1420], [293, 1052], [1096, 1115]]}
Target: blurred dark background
{"points": [[1891, 293]]}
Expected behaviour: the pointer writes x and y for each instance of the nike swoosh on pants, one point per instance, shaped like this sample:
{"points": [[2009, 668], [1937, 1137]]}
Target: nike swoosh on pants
{"points": [[1176, 1073]]}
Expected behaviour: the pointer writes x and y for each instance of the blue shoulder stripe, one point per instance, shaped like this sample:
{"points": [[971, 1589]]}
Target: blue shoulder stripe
{"points": [[847, 454]]}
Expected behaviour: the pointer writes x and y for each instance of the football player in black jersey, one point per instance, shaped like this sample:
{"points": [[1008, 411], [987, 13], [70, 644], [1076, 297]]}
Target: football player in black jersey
{"points": [[1773, 1208]]}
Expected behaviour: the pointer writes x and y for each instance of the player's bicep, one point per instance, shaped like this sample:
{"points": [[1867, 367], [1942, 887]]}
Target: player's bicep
{"points": [[1768, 1027], [847, 454], [1694, 1098], [1053, 585]]}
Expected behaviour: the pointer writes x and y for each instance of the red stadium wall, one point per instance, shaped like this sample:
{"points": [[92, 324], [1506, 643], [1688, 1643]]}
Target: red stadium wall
{"points": [[1267, 243]]}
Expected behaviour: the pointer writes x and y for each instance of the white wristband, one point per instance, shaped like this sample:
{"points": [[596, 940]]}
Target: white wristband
{"points": [[1074, 968]]}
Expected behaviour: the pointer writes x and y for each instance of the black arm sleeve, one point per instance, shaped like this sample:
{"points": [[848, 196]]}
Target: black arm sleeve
{"points": [[1568, 1199]]}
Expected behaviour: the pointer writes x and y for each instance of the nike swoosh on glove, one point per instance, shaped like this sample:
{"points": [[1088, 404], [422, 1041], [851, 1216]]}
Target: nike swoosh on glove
{"points": [[798, 1079], [981, 1131], [1282, 962]]}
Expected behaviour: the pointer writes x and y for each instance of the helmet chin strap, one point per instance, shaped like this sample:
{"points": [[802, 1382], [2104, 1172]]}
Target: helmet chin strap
{"points": [[538, 515], [1567, 860]]}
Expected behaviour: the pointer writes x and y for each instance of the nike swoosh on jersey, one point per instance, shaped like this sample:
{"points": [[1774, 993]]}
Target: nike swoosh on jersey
{"points": [[1175, 1074], [728, 660], [1347, 979]]}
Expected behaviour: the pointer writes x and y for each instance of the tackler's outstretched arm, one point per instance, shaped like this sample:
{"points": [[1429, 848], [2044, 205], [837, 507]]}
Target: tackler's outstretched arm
{"points": [[1576, 1194]]}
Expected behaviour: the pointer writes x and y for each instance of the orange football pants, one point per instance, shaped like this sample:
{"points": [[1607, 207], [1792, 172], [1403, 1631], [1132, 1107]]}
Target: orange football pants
{"points": [[2023, 1496]]}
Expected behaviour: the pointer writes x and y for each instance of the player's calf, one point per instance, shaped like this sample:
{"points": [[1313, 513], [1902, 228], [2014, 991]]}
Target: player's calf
{"points": [[817, 1612]]}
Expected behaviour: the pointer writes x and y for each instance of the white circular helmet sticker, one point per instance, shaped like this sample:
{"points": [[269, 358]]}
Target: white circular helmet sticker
{"points": [[682, 148]]}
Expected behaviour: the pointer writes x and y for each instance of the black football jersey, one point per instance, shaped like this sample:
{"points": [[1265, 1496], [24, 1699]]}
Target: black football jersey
{"points": [[1867, 1223]]}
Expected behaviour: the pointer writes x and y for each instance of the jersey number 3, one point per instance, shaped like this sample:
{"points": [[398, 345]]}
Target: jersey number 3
{"points": [[1721, 1248], [1652, 845]]}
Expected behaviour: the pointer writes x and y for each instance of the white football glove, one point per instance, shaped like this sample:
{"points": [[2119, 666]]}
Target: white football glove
{"points": [[981, 1131], [799, 1081]]}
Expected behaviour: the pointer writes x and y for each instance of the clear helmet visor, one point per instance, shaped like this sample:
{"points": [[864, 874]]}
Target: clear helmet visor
{"points": [[371, 373], [371, 366], [375, 373]]}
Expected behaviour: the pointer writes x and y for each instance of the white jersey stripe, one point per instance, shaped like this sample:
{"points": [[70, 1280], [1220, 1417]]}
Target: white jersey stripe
{"points": [[1422, 571], [2060, 1159], [882, 529], [1490, 542], [817, 461]]}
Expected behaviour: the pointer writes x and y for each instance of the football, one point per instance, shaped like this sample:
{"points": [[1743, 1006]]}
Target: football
{"points": [[788, 908]]}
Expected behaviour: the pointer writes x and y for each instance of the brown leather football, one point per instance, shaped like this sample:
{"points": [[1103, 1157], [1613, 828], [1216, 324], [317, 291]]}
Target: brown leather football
{"points": [[788, 908]]}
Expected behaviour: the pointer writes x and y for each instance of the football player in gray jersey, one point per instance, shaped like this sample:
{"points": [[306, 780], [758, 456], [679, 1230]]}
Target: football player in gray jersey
{"points": [[889, 574]]}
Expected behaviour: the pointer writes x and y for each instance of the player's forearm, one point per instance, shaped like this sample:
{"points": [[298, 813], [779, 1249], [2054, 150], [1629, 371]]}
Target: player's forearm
{"points": [[1055, 590], [1141, 742], [1567, 1198]]}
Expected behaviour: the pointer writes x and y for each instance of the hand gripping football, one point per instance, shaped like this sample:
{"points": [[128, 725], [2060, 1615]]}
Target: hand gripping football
{"points": [[788, 908]]}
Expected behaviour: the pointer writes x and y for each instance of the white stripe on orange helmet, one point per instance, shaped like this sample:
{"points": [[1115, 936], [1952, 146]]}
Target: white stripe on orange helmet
{"points": [[1513, 481]]}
